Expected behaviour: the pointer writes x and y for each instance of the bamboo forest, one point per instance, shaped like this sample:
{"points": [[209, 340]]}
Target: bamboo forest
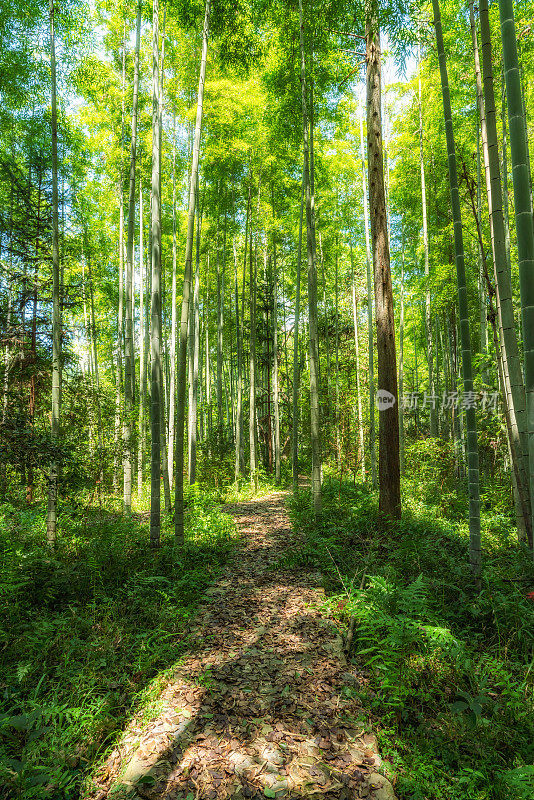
{"points": [[266, 400]]}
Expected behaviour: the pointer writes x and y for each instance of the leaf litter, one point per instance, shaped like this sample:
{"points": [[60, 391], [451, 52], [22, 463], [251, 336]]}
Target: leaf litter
{"points": [[261, 707]]}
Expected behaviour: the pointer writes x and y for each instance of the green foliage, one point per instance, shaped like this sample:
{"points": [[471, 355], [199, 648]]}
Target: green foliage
{"points": [[216, 459], [243, 490], [449, 663], [85, 630], [519, 782]]}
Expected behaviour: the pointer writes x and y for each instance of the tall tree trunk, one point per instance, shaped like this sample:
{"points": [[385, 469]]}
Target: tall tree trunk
{"points": [[437, 370], [163, 439], [195, 332], [523, 104], [388, 429], [523, 213], [359, 418], [51, 518], [5, 388], [238, 429], [172, 377], [428, 312], [120, 343], [327, 326], [191, 458], [277, 464], [134, 377], [513, 378], [10, 314], [120, 321], [481, 135], [232, 395], [227, 397], [201, 388], [481, 285], [508, 363], [184, 319], [447, 375], [239, 344], [470, 416], [401, 365], [284, 320], [129, 360], [252, 434], [482, 114], [267, 372], [220, 305], [415, 385], [296, 354], [142, 355], [315, 429], [505, 207], [206, 306], [194, 350], [33, 385], [370, 329], [96, 372], [519, 501], [336, 292], [87, 369], [155, 313]]}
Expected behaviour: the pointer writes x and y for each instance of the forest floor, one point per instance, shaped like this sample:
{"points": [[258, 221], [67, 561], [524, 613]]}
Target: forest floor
{"points": [[263, 705]]}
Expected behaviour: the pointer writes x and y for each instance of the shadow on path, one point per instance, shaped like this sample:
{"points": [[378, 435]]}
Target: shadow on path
{"points": [[266, 706]]}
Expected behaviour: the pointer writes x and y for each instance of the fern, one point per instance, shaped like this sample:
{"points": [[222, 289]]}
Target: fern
{"points": [[520, 782]]}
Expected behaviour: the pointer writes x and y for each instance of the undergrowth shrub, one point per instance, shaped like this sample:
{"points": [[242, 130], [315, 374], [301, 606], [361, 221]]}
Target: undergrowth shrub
{"points": [[215, 459], [243, 490], [450, 663], [86, 628]]}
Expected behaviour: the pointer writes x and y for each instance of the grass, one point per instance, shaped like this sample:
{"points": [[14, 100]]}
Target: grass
{"points": [[451, 666], [86, 630], [243, 490]]}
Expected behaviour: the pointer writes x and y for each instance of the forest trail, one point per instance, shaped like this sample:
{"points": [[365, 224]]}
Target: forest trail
{"points": [[263, 707]]}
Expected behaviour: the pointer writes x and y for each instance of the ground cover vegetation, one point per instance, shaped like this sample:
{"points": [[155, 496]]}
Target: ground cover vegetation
{"points": [[450, 662], [251, 245]]}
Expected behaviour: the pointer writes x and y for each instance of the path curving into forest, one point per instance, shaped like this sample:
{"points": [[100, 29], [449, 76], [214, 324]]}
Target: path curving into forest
{"points": [[264, 706]]}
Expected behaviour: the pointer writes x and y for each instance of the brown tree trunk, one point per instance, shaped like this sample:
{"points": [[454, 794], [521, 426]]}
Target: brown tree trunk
{"points": [[315, 423], [389, 459]]}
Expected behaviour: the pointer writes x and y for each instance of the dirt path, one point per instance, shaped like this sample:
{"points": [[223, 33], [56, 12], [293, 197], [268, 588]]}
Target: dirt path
{"points": [[263, 708]]}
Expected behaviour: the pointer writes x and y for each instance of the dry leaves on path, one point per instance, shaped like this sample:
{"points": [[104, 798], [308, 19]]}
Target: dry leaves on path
{"points": [[263, 707]]}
